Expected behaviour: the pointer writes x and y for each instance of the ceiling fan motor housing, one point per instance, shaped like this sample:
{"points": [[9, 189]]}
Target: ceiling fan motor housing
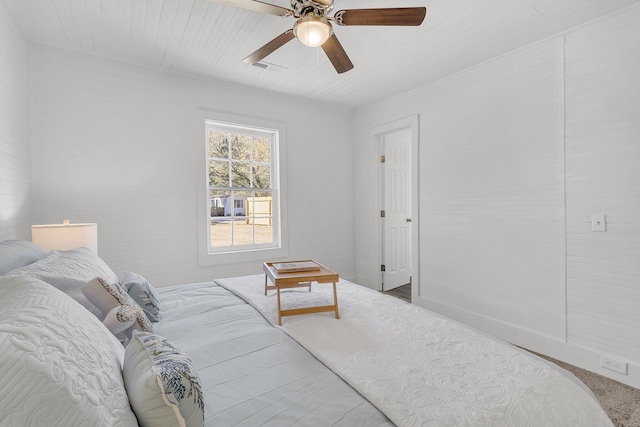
{"points": [[304, 7]]}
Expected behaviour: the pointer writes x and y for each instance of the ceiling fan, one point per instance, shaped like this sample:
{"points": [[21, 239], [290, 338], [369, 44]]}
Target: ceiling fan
{"points": [[313, 25]]}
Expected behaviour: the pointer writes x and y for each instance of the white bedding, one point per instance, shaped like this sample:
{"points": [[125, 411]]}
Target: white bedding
{"points": [[420, 368], [61, 366], [252, 373]]}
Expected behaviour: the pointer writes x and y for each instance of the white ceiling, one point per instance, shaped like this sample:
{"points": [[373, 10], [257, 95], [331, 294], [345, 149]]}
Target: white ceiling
{"points": [[208, 39]]}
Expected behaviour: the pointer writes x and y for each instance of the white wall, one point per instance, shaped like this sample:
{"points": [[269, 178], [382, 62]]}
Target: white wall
{"points": [[123, 145], [603, 177], [505, 237], [15, 148]]}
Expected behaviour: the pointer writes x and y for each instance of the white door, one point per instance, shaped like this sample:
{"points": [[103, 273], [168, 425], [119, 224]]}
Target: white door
{"points": [[396, 223]]}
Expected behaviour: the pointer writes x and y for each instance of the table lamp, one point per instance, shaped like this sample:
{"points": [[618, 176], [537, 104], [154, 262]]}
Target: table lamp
{"points": [[65, 236]]}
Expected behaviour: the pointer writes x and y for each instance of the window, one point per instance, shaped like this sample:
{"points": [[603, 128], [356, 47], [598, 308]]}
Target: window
{"points": [[243, 190]]}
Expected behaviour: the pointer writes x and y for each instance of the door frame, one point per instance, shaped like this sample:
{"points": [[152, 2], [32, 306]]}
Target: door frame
{"points": [[376, 133]]}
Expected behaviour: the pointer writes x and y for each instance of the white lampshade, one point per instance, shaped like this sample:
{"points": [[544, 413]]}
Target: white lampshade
{"points": [[312, 30], [65, 236]]}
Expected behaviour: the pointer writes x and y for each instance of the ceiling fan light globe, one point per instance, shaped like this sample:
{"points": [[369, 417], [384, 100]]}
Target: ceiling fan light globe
{"points": [[312, 31]]}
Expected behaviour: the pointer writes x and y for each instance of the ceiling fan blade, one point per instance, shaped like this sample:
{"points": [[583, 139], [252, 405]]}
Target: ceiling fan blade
{"points": [[270, 47], [257, 6], [337, 55], [405, 16]]}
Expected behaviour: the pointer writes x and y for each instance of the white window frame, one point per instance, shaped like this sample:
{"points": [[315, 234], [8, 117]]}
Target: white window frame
{"points": [[208, 256]]}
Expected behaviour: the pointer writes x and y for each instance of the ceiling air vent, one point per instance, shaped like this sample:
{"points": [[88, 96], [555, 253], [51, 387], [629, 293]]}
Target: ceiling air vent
{"points": [[263, 65]]}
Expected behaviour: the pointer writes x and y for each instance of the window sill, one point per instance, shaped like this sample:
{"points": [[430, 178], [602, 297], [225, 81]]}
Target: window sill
{"points": [[252, 255]]}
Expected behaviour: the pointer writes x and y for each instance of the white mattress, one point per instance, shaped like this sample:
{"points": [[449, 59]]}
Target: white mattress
{"points": [[252, 373], [421, 368]]}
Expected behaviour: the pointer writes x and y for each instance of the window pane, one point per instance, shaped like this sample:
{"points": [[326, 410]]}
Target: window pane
{"points": [[261, 176], [261, 150], [264, 230], [218, 173], [240, 175], [238, 201], [240, 146], [243, 233], [221, 229], [218, 144], [218, 202], [260, 215], [260, 204]]}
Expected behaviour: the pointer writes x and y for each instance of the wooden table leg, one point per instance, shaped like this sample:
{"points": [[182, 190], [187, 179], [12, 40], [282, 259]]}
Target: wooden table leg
{"points": [[279, 310], [335, 299]]}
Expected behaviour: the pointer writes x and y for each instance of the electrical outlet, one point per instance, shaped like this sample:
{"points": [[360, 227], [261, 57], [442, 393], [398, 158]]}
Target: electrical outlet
{"points": [[614, 365]]}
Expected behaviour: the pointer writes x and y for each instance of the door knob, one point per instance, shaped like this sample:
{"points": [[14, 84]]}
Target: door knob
{"points": [[408, 219]]}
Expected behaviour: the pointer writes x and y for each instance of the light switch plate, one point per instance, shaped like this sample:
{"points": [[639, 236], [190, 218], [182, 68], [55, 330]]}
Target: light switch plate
{"points": [[598, 223]]}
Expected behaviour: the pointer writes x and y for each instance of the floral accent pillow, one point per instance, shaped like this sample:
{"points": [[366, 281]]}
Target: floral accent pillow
{"points": [[162, 383], [143, 293]]}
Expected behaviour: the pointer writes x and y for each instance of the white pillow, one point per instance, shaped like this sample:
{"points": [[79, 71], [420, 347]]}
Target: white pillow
{"points": [[69, 271], [60, 365], [162, 383], [18, 253]]}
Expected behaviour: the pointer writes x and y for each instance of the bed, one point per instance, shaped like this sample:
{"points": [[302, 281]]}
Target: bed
{"points": [[76, 350]]}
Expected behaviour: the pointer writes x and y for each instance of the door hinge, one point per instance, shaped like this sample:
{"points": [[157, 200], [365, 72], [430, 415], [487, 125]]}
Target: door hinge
{"points": [[382, 267], [381, 159], [382, 213]]}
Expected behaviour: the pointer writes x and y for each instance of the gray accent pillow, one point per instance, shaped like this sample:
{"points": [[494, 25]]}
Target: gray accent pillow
{"points": [[142, 292], [18, 253], [162, 383]]}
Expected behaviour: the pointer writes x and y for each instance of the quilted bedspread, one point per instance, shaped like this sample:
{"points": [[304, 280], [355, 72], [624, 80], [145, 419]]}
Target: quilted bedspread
{"points": [[252, 373], [420, 368]]}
